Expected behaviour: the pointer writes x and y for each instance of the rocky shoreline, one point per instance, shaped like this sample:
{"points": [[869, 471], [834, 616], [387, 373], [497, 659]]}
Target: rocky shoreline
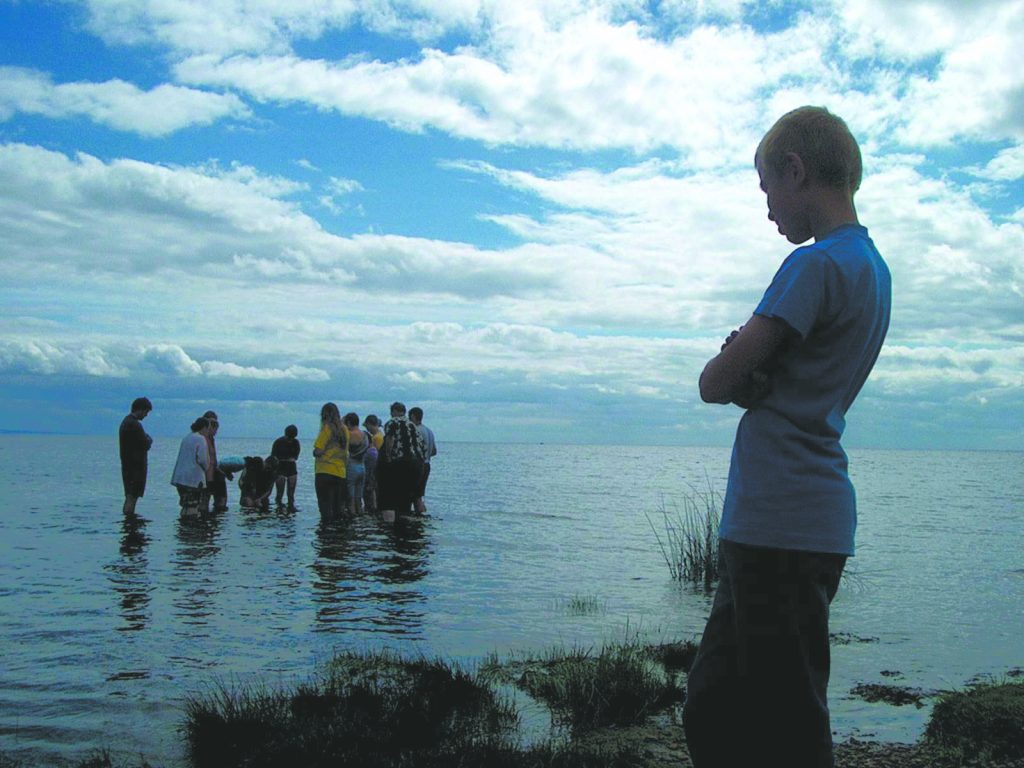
{"points": [[661, 743]]}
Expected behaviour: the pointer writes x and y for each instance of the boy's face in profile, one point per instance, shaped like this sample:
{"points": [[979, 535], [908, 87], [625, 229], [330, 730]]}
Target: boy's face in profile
{"points": [[785, 205]]}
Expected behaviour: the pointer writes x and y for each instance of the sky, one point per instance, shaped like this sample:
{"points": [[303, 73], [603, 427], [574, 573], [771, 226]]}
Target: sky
{"points": [[535, 219]]}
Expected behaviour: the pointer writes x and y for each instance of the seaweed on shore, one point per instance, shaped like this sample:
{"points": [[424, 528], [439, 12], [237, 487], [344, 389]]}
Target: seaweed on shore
{"points": [[897, 695]]}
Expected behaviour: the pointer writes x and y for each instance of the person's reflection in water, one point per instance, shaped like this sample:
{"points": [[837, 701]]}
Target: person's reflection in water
{"points": [[192, 583], [405, 559], [129, 575], [365, 574], [335, 582]]}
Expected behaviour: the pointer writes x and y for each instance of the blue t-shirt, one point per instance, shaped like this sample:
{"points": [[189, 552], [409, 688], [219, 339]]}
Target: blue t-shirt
{"points": [[788, 482]]}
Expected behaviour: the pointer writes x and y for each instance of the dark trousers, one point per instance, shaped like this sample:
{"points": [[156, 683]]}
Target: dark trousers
{"points": [[421, 485], [757, 690], [219, 490], [330, 494], [397, 482]]}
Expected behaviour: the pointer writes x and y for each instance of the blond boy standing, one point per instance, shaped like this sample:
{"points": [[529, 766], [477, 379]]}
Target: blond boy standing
{"points": [[757, 691]]}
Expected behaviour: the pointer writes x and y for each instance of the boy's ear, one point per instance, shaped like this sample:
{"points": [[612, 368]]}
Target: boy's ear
{"points": [[794, 168]]}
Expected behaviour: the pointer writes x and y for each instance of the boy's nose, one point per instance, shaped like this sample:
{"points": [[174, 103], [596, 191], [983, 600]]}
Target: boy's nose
{"points": [[771, 216]]}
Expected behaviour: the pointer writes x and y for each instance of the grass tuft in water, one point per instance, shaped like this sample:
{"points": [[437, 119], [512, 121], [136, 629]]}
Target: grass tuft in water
{"points": [[688, 538], [617, 685], [583, 605]]}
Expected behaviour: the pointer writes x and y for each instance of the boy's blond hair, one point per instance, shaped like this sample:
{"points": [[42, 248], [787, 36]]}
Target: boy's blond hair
{"points": [[829, 152]]}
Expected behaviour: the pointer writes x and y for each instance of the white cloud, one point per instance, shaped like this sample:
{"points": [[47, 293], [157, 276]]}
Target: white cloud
{"points": [[170, 359], [956, 273], [415, 378], [704, 10], [45, 358], [588, 84], [336, 192], [227, 26], [923, 370], [115, 103], [1008, 165], [215, 368], [974, 90], [914, 29], [593, 75], [38, 357], [129, 217]]}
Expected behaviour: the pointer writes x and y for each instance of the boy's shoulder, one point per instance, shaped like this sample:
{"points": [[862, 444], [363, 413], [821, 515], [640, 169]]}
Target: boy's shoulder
{"points": [[848, 240]]}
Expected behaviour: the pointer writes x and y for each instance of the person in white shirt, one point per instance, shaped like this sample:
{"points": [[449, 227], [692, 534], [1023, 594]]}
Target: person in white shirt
{"points": [[189, 475], [427, 435]]}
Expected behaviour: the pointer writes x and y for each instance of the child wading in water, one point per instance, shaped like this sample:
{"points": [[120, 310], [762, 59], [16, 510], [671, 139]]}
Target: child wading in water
{"points": [[756, 693]]}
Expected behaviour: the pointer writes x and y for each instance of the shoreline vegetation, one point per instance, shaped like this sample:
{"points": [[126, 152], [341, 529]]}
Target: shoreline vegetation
{"points": [[609, 707]]}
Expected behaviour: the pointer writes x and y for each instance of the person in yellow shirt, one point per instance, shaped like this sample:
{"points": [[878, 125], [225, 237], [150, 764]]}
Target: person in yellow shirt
{"points": [[330, 451]]}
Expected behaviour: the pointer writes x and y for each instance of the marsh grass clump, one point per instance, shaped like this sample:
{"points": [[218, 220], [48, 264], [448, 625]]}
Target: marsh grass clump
{"points": [[675, 658], [225, 723], [985, 722], [375, 709], [688, 538], [583, 605], [618, 685]]}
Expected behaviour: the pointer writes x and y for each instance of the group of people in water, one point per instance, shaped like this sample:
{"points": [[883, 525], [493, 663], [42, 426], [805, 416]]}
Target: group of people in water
{"points": [[757, 688], [357, 468]]}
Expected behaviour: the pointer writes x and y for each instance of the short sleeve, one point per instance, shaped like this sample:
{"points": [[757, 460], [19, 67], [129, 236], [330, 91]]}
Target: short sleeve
{"points": [[797, 294]]}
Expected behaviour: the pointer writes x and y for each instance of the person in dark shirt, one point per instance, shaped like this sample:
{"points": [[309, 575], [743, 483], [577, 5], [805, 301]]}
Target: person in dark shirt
{"points": [[286, 450], [134, 445], [257, 481], [401, 462]]}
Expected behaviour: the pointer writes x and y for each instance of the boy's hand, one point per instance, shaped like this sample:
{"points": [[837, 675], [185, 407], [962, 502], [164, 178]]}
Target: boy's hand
{"points": [[730, 338], [742, 371], [756, 389]]}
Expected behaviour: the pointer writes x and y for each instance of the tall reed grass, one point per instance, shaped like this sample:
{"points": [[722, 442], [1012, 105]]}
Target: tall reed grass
{"points": [[688, 535]]}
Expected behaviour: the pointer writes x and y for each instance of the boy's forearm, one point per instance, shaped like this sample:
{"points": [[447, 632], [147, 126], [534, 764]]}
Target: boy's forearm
{"points": [[732, 375]]}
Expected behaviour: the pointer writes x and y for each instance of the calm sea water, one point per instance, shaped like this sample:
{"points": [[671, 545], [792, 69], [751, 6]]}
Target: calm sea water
{"points": [[105, 627]]}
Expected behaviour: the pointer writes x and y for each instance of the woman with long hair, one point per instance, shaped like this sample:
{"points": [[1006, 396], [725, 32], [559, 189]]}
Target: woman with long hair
{"points": [[330, 452]]}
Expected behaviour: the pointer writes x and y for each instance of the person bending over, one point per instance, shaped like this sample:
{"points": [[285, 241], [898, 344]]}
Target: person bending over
{"points": [[286, 450]]}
